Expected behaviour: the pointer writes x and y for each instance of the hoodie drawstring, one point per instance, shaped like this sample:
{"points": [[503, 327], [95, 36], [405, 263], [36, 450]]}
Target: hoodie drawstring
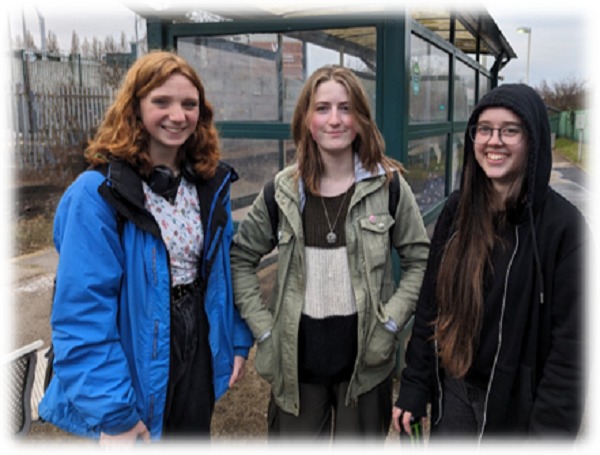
{"points": [[538, 263]]}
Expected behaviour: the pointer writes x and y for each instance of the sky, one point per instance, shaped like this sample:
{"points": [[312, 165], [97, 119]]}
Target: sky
{"points": [[558, 33], [89, 19], [558, 44]]}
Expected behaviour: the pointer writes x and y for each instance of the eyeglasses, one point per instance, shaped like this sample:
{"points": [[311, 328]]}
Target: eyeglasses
{"points": [[508, 135]]}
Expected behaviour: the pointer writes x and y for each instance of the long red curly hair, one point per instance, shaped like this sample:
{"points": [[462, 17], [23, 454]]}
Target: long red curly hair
{"points": [[122, 134]]}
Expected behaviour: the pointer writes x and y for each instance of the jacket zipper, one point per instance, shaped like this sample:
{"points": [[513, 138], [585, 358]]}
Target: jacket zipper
{"points": [[358, 366], [489, 387], [208, 240], [437, 363], [439, 384], [156, 323]]}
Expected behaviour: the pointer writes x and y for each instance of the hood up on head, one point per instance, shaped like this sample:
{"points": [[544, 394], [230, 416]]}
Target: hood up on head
{"points": [[531, 109], [529, 106]]}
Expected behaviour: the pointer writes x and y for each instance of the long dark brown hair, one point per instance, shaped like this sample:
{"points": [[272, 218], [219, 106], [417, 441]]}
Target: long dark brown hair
{"points": [[369, 143], [467, 258], [122, 135]]}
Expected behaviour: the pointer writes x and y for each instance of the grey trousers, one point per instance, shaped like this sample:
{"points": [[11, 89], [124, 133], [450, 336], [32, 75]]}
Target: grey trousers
{"points": [[325, 416]]}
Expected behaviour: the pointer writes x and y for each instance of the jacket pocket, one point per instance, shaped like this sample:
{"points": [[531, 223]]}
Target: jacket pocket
{"points": [[263, 362], [381, 347], [375, 230], [284, 237]]}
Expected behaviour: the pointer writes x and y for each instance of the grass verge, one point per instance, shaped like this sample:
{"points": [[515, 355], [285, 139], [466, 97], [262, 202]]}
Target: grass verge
{"points": [[570, 150], [33, 234]]}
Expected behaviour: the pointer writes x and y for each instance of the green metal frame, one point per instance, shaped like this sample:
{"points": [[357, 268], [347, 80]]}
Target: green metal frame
{"points": [[392, 77]]}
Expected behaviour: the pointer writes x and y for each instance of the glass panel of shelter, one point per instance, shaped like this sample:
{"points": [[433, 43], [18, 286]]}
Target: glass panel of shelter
{"points": [[257, 77], [426, 164], [464, 91], [430, 78], [256, 161]]}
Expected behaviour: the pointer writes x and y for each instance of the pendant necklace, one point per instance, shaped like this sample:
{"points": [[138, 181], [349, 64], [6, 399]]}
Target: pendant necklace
{"points": [[331, 236]]}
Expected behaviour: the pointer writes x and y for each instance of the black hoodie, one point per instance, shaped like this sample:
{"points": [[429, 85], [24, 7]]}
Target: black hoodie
{"points": [[534, 379]]}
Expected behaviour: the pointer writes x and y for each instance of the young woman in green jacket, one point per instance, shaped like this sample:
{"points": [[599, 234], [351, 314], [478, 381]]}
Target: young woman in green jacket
{"points": [[326, 341]]}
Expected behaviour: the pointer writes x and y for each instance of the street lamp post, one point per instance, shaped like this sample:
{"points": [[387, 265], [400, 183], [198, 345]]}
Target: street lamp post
{"points": [[527, 30]]}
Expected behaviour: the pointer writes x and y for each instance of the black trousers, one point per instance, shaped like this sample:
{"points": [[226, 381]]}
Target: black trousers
{"points": [[324, 415], [463, 408], [190, 394]]}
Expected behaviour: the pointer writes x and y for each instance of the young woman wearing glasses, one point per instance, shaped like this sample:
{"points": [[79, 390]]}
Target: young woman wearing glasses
{"points": [[497, 341]]}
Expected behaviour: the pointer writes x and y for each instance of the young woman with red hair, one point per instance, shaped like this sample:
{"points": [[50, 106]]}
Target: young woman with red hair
{"points": [[144, 330]]}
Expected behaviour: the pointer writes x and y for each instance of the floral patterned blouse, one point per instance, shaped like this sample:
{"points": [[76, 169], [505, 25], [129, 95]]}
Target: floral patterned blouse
{"points": [[181, 229]]}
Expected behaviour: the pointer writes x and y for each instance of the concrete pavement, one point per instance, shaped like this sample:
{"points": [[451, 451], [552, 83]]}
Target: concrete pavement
{"points": [[570, 181]]}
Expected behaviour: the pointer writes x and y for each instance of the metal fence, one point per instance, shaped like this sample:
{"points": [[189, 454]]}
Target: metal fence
{"points": [[56, 103], [47, 124], [50, 71], [575, 125]]}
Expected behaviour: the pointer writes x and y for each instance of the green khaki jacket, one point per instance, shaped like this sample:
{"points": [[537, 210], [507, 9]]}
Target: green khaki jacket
{"points": [[368, 226]]}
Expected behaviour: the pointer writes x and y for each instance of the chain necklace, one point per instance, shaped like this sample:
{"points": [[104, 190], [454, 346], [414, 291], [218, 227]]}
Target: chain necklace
{"points": [[331, 236]]}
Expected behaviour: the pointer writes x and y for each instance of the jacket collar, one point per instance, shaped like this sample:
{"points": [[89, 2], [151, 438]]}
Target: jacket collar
{"points": [[126, 182], [123, 189], [287, 184]]}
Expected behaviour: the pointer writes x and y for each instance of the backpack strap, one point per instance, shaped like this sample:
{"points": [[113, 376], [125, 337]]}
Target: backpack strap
{"points": [[394, 193], [269, 196]]}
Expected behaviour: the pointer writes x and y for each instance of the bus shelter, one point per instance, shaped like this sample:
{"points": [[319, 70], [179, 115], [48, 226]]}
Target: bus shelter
{"points": [[424, 70]]}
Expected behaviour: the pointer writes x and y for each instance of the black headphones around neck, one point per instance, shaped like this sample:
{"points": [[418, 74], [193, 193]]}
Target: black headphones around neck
{"points": [[163, 182]]}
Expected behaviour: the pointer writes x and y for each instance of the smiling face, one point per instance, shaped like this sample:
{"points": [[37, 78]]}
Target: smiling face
{"points": [[502, 163], [170, 114], [331, 121]]}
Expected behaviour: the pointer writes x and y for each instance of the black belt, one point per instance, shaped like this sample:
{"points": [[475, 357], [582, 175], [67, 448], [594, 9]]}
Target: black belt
{"points": [[180, 291]]}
